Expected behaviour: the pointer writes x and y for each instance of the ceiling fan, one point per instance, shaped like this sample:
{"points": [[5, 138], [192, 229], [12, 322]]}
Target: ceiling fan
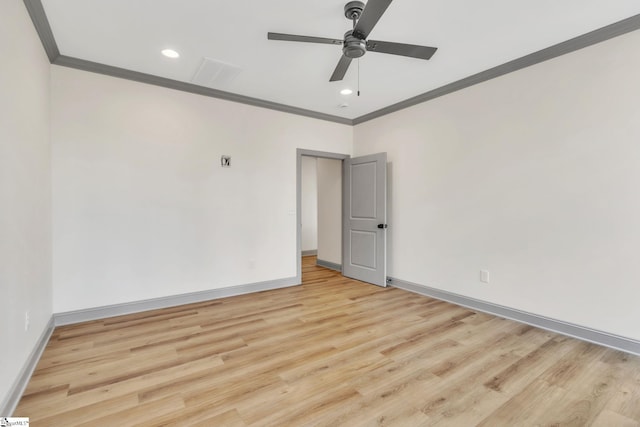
{"points": [[355, 43]]}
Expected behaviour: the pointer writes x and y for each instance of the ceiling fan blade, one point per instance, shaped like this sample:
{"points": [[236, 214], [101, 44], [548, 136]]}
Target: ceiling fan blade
{"points": [[370, 16], [307, 39], [341, 69], [412, 50]]}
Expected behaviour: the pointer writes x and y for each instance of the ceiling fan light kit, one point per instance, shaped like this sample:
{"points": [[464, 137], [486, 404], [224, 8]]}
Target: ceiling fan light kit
{"points": [[353, 47], [355, 43]]}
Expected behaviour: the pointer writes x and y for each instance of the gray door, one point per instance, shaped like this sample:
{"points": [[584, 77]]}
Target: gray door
{"points": [[364, 249]]}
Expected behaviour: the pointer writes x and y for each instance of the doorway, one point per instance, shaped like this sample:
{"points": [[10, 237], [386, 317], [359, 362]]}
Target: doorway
{"points": [[363, 219], [319, 208]]}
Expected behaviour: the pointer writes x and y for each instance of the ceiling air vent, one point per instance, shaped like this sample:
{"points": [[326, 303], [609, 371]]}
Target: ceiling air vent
{"points": [[215, 74]]}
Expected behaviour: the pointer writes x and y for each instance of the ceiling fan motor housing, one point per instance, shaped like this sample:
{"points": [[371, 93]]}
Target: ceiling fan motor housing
{"points": [[353, 46]]}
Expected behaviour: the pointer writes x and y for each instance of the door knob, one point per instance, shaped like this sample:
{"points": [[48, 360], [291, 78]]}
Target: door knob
{"points": [[382, 225]]}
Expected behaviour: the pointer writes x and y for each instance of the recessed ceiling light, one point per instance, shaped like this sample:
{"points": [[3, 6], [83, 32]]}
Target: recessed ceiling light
{"points": [[346, 91], [170, 53]]}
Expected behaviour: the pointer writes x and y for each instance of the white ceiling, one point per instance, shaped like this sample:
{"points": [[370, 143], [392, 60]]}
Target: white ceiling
{"points": [[471, 37]]}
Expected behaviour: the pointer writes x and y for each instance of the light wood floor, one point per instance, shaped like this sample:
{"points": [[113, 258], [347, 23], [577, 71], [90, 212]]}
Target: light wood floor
{"points": [[331, 352]]}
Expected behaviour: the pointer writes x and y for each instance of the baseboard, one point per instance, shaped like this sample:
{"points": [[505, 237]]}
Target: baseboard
{"points": [[15, 392], [329, 264], [576, 331], [103, 312], [310, 252]]}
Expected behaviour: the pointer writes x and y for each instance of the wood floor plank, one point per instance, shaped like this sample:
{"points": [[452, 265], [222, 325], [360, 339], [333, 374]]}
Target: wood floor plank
{"points": [[528, 407], [608, 418], [526, 369], [331, 352], [87, 413], [626, 397], [139, 414]]}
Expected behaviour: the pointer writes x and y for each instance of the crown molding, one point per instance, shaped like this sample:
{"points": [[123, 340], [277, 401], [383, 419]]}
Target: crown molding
{"points": [[108, 70], [605, 33], [41, 23]]}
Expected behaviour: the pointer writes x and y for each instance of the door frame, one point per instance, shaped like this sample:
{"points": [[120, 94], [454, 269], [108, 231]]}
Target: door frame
{"points": [[317, 154]]}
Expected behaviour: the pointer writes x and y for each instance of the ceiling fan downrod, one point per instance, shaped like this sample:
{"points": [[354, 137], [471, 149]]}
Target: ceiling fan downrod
{"points": [[353, 11]]}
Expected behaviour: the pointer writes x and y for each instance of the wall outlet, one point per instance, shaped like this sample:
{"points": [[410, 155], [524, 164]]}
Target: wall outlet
{"points": [[26, 320], [484, 276]]}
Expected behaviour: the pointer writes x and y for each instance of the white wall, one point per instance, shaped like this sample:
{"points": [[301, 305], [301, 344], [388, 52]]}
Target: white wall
{"points": [[309, 202], [330, 210], [25, 191], [534, 176], [142, 208]]}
